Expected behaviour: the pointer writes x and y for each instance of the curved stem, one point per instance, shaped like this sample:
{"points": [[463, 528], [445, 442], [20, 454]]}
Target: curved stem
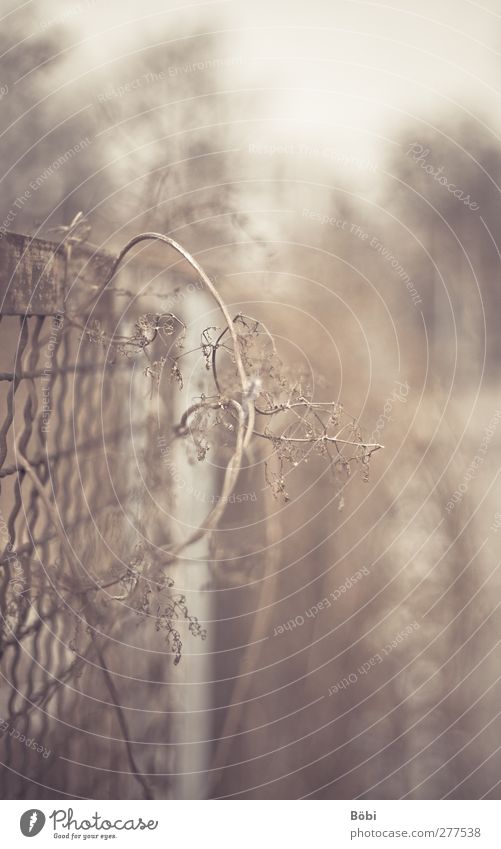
{"points": [[160, 237], [122, 722], [230, 476]]}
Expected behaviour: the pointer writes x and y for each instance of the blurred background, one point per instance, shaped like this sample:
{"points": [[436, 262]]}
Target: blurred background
{"points": [[335, 168]]}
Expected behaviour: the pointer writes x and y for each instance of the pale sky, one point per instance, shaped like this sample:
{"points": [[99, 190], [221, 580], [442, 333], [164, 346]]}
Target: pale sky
{"points": [[347, 68]]}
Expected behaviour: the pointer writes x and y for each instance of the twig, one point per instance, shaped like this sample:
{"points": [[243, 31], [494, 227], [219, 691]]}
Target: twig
{"points": [[264, 607], [121, 720], [369, 446]]}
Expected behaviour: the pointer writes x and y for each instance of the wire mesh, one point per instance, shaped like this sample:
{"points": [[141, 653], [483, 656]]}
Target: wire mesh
{"points": [[68, 724]]}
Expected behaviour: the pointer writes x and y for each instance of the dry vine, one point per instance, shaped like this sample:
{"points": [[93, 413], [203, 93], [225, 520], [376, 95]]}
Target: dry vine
{"points": [[253, 384], [247, 397]]}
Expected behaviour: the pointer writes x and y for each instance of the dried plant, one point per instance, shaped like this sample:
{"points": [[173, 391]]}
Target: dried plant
{"points": [[248, 395], [248, 386]]}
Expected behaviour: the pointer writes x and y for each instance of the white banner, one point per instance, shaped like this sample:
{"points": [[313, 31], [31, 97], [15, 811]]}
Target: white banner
{"points": [[251, 824]]}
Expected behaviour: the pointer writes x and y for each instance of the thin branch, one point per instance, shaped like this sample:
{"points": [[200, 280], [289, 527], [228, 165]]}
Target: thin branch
{"points": [[121, 720], [370, 446]]}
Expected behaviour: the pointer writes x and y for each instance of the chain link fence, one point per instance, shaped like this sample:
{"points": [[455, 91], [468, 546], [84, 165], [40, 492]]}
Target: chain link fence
{"points": [[73, 459]]}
